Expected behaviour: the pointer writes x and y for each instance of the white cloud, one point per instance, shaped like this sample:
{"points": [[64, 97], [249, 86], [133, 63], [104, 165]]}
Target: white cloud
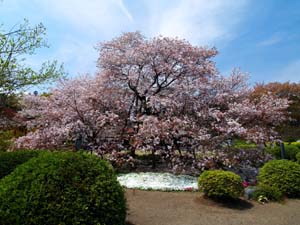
{"points": [[290, 73], [124, 9], [275, 39], [85, 23], [90, 16], [199, 21], [81, 23], [78, 57]]}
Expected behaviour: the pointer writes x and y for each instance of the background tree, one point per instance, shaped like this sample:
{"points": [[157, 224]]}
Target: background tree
{"points": [[14, 46], [290, 131], [15, 75]]}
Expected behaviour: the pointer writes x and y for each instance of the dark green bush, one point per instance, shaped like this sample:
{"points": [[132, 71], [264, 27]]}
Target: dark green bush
{"points": [[296, 143], [272, 193], [291, 150], [10, 160], [282, 174], [62, 189], [298, 157], [220, 184]]}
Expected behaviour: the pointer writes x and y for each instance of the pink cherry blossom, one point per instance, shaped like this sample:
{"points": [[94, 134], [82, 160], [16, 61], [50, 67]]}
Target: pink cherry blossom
{"points": [[161, 95]]}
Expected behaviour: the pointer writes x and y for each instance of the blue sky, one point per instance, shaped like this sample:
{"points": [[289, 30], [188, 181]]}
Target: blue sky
{"points": [[261, 38]]}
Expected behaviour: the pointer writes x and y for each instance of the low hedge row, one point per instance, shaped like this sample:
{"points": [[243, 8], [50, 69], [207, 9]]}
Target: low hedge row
{"points": [[10, 160], [291, 150]]}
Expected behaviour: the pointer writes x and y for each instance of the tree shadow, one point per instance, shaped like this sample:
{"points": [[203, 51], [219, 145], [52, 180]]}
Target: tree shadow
{"points": [[236, 204], [129, 223], [239, 204]]}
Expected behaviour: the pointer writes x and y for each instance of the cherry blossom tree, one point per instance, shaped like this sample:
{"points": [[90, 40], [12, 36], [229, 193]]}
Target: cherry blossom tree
{"points": [[77, 109], [161, 95]]}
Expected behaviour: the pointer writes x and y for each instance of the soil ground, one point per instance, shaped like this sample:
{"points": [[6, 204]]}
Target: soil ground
{"points": [[190, 208]]}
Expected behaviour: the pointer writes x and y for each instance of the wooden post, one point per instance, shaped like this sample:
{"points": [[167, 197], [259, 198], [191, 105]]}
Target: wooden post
{"points": [[78, 143], [282, 150]]}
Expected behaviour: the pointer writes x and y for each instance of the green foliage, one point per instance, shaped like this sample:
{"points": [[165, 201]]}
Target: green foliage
{"points": [[298, 157], [15, 75], [9, 101], [296, 143], [10, 160], [5, 140], [14, 44], [262, 199], [291, 150], [62, 188], [242, 144], [220, 184], [270, 192], [283, 175]]}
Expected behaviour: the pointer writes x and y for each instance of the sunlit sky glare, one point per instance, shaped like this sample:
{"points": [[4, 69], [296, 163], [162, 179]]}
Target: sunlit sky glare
{"points": [[261, 37]]}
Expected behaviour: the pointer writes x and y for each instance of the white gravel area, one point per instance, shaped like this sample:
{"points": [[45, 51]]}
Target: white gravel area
{"points": [[158, 181]]}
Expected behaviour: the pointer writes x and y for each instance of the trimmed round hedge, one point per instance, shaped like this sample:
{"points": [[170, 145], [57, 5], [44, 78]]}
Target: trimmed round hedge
{"points": [[10, 160], [272, 193], [283, 175], [62, 188], [220, 184]]}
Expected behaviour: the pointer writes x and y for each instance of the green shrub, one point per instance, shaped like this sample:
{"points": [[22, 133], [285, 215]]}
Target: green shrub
{"points": [[10, 160], [62, 188], [220, 184], [272, 193], [296, 143], [282, 174], [5, 140], [298, 157], [242, 144], [291, 150]]}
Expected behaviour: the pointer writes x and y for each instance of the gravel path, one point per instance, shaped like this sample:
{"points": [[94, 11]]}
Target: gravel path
{"points": [[189, 208]]}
